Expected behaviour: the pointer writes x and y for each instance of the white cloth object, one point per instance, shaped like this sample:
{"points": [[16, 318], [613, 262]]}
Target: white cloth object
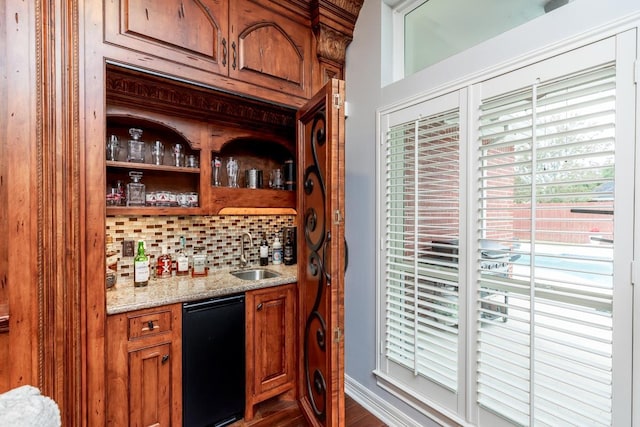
{"points": [[24, 406]]}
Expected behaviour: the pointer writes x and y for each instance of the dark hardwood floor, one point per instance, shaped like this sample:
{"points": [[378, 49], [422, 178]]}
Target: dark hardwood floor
{"points": [[357, 416], [285, 413]]}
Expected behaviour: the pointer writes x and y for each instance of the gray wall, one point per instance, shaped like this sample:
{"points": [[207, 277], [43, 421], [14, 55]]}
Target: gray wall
{"points": [[360, 152], [365, 72]]}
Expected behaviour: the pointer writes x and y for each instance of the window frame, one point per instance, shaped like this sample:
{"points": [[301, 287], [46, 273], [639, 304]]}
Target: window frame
{"points": [[467, 410]]}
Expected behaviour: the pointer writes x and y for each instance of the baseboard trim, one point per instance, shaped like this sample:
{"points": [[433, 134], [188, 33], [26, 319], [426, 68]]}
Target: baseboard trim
{"points": [[388, 414]]}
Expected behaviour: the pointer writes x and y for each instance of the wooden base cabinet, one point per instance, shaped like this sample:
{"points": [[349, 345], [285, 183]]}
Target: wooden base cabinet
{"points": [[270, 315], [144, 367]]}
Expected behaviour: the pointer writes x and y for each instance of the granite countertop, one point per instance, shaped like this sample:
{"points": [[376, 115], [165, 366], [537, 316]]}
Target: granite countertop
{"points": [[125, 297]]}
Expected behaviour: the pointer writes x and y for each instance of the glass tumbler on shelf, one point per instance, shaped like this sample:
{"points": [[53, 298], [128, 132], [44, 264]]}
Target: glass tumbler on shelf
{"points": [[121, 193], [113, 148], [276, 179], [157, 153], [136, 146], [232, 172], [178, 155], [191, 161], [113, 198]]}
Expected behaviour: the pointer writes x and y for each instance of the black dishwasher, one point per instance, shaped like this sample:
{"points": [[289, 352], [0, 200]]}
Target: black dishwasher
{"points": [[213, 361]]}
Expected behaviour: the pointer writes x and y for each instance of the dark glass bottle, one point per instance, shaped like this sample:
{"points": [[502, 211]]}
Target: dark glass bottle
{"points": [[264, 250], [288, 250]]}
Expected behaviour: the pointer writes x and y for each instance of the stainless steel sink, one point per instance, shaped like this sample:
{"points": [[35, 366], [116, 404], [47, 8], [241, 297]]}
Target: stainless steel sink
{"points": [[254, 274]]}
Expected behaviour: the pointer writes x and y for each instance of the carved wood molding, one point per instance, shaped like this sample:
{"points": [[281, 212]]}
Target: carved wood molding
{"points": [[154, 93], [58, 189], [331, 44], [350, 8], [333, 23]]}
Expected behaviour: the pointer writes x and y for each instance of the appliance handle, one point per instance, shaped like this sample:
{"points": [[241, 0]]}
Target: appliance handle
{"points": [[214, 302]]}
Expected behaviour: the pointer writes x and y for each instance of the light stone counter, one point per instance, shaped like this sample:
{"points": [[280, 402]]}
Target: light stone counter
{"points": [[125, 297]]}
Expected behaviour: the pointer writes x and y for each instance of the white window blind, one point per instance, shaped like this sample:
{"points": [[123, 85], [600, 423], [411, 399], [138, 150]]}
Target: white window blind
{"points": [[545, 200], [506, 218], [422, 206]]}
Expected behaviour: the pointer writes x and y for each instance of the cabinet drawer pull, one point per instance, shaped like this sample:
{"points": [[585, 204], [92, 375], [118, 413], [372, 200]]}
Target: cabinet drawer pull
{"points": [[165, 358], [149, 324], [259, 307]]}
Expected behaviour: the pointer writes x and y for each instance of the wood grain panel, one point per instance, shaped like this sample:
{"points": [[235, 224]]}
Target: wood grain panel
{"points": [[273, 50], [321, 256], [270, 344], [193, 26], [144, 367], [191, 32], [150, 386]]}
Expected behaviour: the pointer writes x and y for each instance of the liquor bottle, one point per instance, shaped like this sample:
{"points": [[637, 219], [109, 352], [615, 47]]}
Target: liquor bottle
{"points": [[136, 190], [112, 262], [141, 267], [264, 250], [163, 266], [199, 262], [136, 146], [288, 250], [277, 251], [182, 261]]}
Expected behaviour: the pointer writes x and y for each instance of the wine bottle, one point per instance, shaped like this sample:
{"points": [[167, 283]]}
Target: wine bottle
{"points": [[140, 267], [264, 250], [288, 250]]}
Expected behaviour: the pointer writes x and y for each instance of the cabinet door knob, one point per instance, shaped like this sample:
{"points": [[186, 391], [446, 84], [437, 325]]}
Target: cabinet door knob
{"points": [[165, 358], [150, 325], [259, 307]]}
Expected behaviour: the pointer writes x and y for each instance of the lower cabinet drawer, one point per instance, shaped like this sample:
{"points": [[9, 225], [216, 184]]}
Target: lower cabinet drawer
{"points": [[149, 324]]}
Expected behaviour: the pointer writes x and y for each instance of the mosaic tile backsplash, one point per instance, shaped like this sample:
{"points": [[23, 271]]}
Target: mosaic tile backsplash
{"points": [[218, 236]]}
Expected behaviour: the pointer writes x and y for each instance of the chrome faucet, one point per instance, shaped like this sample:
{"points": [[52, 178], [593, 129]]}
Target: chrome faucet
{"points": [[244, 257]]}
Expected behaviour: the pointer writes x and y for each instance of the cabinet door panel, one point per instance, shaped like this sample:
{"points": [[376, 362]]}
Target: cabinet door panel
{"points": [[149, 386], [274, 340], [261, 47], [192, 32], [194, 29], [321, 255], [269, 49], [270, 340]]}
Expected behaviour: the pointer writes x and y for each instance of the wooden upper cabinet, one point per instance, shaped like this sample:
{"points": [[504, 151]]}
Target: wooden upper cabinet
{"points": [[259, 43], [191, 32], [269, 48]]}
